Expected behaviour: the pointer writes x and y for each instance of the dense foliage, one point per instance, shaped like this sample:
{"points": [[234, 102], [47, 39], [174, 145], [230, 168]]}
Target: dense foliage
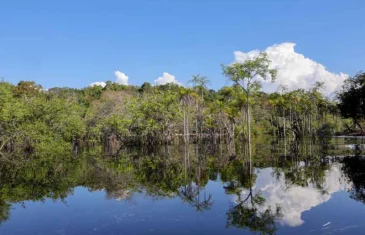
{"points": [[32, 118], [352, 101]]}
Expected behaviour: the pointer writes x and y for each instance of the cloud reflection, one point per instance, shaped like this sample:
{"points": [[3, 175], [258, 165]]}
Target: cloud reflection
{"points": [[294, 200]]}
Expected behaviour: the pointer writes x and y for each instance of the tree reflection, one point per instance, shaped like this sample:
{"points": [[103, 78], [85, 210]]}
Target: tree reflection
{"points": [[302, 170], [245, 213], [353, 167], [175, 173], [160, 175], [4, 211], [191, 191]]}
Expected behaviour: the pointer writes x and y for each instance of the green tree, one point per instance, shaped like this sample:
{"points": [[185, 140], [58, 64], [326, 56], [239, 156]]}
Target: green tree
{"points": [[27, 89], [352, 99], [245, 75]]}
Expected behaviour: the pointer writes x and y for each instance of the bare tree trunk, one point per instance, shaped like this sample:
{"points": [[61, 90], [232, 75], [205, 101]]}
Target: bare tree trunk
{"points": [[196, 121], [249, 126], [310, 125], [187, 124], [284, 122], [184, 124], [290, 116]]}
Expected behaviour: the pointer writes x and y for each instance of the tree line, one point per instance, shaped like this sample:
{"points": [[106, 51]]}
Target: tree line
{"points": [[32, 118]]}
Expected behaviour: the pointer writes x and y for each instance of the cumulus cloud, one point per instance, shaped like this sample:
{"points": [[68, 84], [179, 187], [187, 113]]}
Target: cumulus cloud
{"points": [[121, 78], [295, 200], [165, 79], [102, 84], [295, 70]]}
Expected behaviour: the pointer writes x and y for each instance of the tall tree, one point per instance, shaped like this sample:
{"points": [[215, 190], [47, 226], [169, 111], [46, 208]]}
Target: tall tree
{"points": [[187, 96], [202, 82], [245, 75]]}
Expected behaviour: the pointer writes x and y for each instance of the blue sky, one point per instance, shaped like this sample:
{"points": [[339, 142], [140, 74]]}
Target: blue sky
{"points": [[75, 43]]}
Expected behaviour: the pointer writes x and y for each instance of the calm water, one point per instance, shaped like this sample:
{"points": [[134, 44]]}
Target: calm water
{"points": [[291, 188]]}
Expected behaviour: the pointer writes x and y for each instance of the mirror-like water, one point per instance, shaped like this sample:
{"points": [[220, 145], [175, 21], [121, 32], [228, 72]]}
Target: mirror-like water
{"points": [[289, 188]]}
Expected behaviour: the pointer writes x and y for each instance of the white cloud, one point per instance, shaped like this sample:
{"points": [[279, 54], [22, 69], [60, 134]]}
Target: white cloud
{"points": [[165, 79], [102, 84], [295, 200], [121, 78], [295, 70]]}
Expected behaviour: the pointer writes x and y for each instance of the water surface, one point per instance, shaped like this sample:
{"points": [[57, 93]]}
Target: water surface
{"points": [[290, 188]]}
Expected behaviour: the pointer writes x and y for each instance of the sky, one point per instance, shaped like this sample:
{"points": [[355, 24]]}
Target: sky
{"points": [[77, 43]]}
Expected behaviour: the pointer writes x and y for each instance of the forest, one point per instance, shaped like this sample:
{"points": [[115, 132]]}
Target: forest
{"points": [[33, 119], [170, 141]]}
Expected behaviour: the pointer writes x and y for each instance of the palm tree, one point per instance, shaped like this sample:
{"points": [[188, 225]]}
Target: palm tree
{"points": [[200, 81], [194, 80]]}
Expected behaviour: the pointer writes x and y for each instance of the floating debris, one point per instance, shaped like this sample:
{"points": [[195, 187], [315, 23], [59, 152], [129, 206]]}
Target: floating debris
{"points": [[326, 224]]}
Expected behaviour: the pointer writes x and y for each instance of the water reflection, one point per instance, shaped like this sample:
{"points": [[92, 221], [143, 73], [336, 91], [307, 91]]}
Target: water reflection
{"points": [[354, 169], [246, 212], [283, 180], [291, 198]]}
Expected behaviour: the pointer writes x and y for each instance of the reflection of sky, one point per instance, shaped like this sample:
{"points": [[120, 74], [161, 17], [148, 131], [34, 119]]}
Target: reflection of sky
{"points": [[295, 200]]}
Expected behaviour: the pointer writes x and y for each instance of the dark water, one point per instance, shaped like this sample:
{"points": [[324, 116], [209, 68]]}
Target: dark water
{"points": [[291, 188]]}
